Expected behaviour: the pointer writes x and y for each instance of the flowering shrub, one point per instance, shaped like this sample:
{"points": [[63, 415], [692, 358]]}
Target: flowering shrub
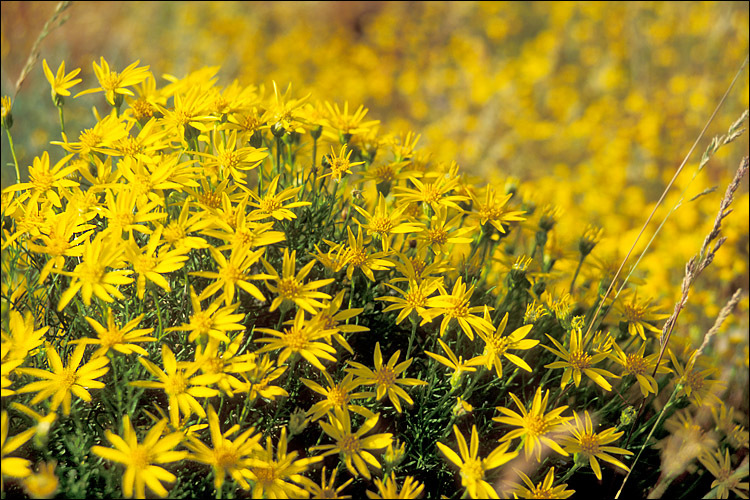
{"points": [[228, 290]]}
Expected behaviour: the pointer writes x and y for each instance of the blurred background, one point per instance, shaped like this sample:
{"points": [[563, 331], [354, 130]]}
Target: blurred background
{"points": [[587, 106]]}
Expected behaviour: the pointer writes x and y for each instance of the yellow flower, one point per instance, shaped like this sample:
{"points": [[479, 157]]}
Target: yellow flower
{"points": [[275, 477], [411, 488], [63, 381], [536, 428], [139, 458], [13, 466], [385, 377], [436, 194], [181, 386], [344, 125], [214, 322], [456, 364], [353, 446], [272, 203], [338, 395], [339, 164], [640, 366], [440, 234], [492, 210], [58, 241], [100, 138], [544, 489], [45, 182], [213, 362], [232, 274], [472, 467], [226, 456], [414, 298], [113, 84], [638, 314], [577, 361], [339, 321], [43, 423], [589, 445], [301, 338], [726, 478], [326, 489], [60, 82], [456, 305], [44, 483], [91, 275], [357, 257], [124, 215], [116, 338], [22, 338], [496, 346], [149, 266], [382, 225], [291, 288], [227, 160]]}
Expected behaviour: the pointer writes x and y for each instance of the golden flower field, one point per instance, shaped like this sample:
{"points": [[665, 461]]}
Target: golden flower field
{"points": [[374, 249]]}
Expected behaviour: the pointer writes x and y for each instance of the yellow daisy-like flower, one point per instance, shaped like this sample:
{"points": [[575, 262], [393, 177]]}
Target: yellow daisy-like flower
{"points": [[113, 84], [472, 467], [638, 314], [214, 322], [496, 346], [116, 338], [457, 364], [272, 203], [339, 164], [147, 264], [385, 377], [23, 338], [60, 82], [436, 194], [493, 210], [357, 256], [13, 466], [291, 288], [577, 361], [63, 381], [327, 489], [456, 306], [382, 224], [232, 274], [589, 445], [44, 181], [43, 483], [536, 428], [181, 386], [640, 366], [720, 466], [91, 276], [275, 477], [304, 338], [228, 160], [411, 488], [226, 456], [543, 489], [353, 446], [139, 458], [338, 395]]}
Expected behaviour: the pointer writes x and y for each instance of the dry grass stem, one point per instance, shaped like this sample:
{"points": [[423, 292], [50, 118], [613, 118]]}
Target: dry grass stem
{"points": [[50, 25]]}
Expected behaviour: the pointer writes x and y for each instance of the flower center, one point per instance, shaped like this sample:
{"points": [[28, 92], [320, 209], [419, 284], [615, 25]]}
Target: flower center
{"points": [[430, 193], [265, 475], [140, 458], [337, 396], [296, 339], [176, 384], [589, 444], [231, 274], [350, 444], [437, 236], [472, 470], [580, 360], [225, 456], [385, 376], [535, 425], [269, 205], [357, 257], [289, 288], [635, 364], [201, 322], [42, 180], [89, 138], [382, 225], [111, 337]]}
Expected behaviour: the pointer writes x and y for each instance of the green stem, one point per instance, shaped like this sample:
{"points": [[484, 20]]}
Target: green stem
{"points": [[13, 152], [62, 119], [575, 276], [413, 334], [158, 312]]}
